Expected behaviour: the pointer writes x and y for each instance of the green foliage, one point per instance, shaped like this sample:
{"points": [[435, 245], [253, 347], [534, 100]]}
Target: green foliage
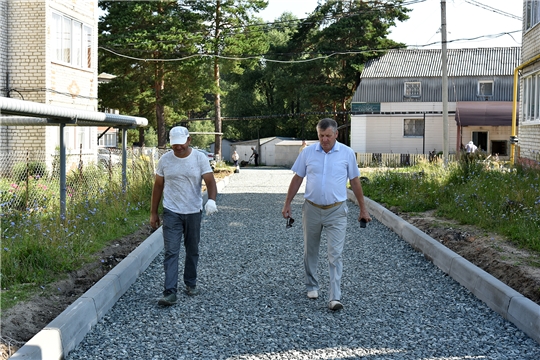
{"points": [[501, 200], [156, 51], [157, 31], [32, 193], [150, 137], [296, 90], [199, 140], [35, 169], [38, 245]]}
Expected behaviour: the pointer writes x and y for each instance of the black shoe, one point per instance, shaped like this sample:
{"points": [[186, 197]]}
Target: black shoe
{"points": [[168, 300], [191, 291]]}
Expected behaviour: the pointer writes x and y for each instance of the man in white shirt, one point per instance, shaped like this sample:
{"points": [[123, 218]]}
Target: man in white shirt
{"points": [[178, 179], [470, 147], [328, 166]]}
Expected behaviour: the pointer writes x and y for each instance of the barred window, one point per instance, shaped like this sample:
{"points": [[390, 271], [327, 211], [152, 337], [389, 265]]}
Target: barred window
{"points": [[413, 89]]}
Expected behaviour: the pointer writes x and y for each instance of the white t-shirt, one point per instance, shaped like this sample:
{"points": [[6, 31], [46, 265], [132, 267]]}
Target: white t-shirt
{"points": [[183, 181], [471, 147]]}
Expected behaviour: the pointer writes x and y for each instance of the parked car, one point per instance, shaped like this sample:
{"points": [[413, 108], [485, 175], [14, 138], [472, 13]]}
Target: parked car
{"points": [[108, 158], [210, 157]]}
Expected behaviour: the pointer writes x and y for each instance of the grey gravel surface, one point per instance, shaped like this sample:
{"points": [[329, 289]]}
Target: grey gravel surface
{"points": [[397, 305]]}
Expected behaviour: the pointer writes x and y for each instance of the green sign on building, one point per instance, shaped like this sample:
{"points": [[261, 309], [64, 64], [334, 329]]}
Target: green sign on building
{"points": [[365, 108]]}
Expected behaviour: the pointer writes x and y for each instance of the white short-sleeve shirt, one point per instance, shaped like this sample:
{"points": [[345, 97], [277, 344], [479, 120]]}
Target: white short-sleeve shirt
{"points": [[183, 181], [326, 173]]}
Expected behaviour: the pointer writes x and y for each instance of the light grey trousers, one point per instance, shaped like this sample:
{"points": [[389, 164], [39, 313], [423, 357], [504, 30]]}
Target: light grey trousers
{"points": [[333, 222]]}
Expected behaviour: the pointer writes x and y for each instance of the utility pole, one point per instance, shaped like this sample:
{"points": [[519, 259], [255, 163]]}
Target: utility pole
{"points": [[444, 83]]}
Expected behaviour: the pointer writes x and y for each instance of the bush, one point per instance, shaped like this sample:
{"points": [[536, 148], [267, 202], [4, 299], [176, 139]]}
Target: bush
{"points": [[22, 170]]}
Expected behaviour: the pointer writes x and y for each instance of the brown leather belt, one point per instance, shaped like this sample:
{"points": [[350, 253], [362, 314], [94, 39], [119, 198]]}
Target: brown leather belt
{"points": [[325, 207]]}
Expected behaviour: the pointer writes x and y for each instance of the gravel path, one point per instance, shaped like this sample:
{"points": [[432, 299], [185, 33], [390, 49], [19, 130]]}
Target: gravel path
{"points": [[397, 305]]}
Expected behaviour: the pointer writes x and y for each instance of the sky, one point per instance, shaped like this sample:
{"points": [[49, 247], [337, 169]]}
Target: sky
{"points": [[463, 21]]}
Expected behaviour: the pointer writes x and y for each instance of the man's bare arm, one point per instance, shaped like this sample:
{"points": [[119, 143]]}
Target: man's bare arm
{"points": [[291, 193]]}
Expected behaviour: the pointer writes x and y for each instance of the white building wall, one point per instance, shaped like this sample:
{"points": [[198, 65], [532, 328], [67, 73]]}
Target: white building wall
{"points": [[244, 151], [27, 62], [288, 150], [359, 133], [529, 131], [383, 133], [4, 35]]}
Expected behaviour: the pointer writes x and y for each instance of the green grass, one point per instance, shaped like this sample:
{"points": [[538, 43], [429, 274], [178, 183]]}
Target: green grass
{"points": [[38, 246], [506, 201]]}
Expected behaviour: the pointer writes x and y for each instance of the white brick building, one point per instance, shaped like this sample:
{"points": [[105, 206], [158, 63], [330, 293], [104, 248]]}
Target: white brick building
{"points": [[529, 125], [49, 55]]}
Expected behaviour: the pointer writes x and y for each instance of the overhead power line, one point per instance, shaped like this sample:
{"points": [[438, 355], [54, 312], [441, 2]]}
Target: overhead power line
{"points": [[321, 56], [377, 7], [320, 113], [487, 7]]}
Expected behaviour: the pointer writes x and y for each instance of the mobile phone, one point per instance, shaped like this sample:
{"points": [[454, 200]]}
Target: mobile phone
{"points": [[363, 223]]}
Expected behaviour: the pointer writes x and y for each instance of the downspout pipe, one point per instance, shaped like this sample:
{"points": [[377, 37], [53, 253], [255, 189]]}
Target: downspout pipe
{"points": [[513, 135]]}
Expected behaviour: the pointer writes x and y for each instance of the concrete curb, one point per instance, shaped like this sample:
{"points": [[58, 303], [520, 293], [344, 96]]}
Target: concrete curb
{"points": [[69, 328], [510, 304]]}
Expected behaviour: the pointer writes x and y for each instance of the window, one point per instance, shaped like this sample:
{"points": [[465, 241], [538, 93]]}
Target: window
{"points": [[499, 147], [413, 127], [84, 137], [72, 41], [532, 14], [531, 97], [485, 88], [413, 89], [108, 140]]}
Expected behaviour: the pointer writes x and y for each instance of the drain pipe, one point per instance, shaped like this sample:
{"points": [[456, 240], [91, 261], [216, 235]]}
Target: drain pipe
{"points": [[513, 135]]}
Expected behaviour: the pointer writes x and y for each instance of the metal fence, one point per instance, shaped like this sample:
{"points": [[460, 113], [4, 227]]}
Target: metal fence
{"points": [[30, 180], [396, 160]]}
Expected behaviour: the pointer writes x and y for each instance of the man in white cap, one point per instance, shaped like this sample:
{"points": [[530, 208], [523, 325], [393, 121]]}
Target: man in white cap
{"points": [[178, 179]]}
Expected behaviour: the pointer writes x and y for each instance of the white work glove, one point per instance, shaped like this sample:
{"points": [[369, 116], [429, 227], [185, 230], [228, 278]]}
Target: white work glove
{"points": [[210, 207]]}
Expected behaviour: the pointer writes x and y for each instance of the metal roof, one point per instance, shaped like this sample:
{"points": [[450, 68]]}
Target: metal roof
{"points": [[428, 63]]}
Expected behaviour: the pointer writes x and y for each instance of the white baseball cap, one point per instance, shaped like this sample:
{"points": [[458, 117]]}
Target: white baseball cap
{"points": [[178, 135]]}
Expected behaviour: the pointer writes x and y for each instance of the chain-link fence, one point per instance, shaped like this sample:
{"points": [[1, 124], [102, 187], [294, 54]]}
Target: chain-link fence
{"points": [[30, 180]]}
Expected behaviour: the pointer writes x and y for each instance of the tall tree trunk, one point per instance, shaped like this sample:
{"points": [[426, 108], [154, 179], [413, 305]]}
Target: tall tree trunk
{"points": [[141, 130], [141, 136], [159, 85]]}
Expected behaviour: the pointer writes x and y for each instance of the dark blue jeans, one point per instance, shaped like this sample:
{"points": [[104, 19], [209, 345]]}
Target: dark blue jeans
{"points": [[176, 226]]}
